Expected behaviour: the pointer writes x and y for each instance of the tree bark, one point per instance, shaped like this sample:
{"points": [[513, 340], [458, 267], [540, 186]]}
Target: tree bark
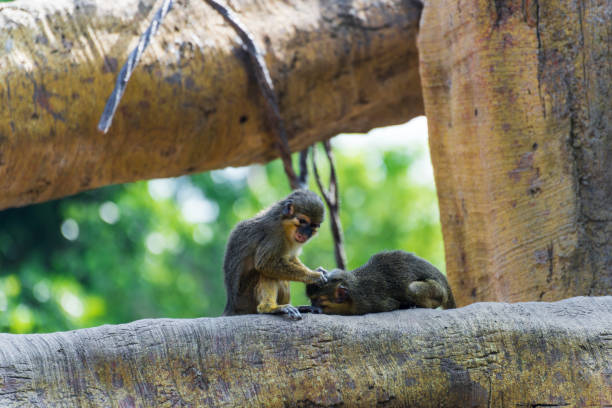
{"points": [[519, 100], [486, 354], [191, 105]]}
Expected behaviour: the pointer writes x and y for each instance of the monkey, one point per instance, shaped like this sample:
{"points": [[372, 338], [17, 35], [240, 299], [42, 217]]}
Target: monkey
{"points": [[261, 256], [388, 281]]}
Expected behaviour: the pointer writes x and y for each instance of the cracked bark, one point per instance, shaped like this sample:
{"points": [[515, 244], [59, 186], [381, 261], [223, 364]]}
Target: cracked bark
{"points": [[519, 99], [190, 105], [486, 354]]}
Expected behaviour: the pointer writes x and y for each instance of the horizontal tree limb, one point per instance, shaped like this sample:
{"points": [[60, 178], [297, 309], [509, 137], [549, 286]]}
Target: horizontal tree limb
{"points": [[191, 104], [485, 354]]}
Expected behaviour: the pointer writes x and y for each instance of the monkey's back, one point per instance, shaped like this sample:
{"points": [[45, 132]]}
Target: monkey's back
{"points": [[238, 267], [383, 281]]}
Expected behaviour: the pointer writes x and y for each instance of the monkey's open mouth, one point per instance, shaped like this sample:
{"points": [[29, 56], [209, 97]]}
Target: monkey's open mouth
{"points": [[301, 238]]}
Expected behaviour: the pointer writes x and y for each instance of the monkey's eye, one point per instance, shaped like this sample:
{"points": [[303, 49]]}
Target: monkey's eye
{"points": [[302, 221], [315, 225]]}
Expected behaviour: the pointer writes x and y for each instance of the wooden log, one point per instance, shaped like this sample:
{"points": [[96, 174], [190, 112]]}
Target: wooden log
{"points": [[518, 96], [191, 104], [486, 354]]}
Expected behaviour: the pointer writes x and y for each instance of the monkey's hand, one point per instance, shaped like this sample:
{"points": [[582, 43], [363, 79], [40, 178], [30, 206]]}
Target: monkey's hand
{"points": [[310, 309], [322, 270], [291, 311], [323, 279]]}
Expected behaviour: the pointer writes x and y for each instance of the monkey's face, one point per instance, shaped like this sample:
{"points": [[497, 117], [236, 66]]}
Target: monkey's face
{"points": [[332, 297], [299, 227]]}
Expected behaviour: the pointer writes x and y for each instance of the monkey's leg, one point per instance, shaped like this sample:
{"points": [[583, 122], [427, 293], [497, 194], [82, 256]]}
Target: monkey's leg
{"points": [[428, 293], [267, 293], [284, 294]]}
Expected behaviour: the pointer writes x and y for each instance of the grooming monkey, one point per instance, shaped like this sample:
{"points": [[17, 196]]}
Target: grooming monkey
{"points": [[388, 281], [261, 256]]}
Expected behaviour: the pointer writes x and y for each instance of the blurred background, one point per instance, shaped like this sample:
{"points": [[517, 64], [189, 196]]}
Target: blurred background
{"points": [[155, 248]]}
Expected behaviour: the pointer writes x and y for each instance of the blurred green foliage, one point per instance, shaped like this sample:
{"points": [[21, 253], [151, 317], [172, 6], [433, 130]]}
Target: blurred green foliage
{"points": [[155, 249]]}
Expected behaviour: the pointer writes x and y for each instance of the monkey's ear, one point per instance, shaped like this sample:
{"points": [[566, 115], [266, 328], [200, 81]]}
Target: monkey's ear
{"points": [[288, 208], [341, 294]]}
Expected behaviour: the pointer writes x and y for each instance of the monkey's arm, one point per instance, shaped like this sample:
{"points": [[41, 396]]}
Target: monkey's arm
{"points": [[272, 260], [289, 268]]}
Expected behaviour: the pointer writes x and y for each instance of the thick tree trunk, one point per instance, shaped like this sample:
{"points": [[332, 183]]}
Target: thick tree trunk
{"points": [[486, 354], [519, 99], [191, 104]]}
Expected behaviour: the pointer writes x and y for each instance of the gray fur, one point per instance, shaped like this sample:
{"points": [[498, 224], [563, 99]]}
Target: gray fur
{"points": [[257, 244], [383, 283]]}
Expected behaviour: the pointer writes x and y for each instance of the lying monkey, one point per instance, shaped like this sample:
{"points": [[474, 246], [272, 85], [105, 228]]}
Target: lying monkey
{"points": [[388, 281]]}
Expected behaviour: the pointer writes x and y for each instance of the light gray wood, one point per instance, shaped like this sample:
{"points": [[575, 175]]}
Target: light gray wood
{"points": [[485, 354]]}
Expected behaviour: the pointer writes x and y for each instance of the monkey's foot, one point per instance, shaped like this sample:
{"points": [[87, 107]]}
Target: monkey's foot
{"points": [[310, 309], [291, 311]]}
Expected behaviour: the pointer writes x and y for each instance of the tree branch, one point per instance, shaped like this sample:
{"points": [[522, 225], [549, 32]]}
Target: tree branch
{"points": [[191, 104], [486, 354]]}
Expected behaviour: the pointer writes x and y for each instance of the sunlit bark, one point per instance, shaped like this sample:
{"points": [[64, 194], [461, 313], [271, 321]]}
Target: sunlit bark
{"points": [[190, 105], [519, 100]]}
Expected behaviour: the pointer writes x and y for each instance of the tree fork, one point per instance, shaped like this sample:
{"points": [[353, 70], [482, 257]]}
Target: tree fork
{"points": [[190, 104]]}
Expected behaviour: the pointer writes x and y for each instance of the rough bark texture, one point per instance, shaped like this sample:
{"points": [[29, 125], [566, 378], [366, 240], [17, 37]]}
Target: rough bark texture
{"points": [[519, 99], [486, 354], [337, 66]]}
